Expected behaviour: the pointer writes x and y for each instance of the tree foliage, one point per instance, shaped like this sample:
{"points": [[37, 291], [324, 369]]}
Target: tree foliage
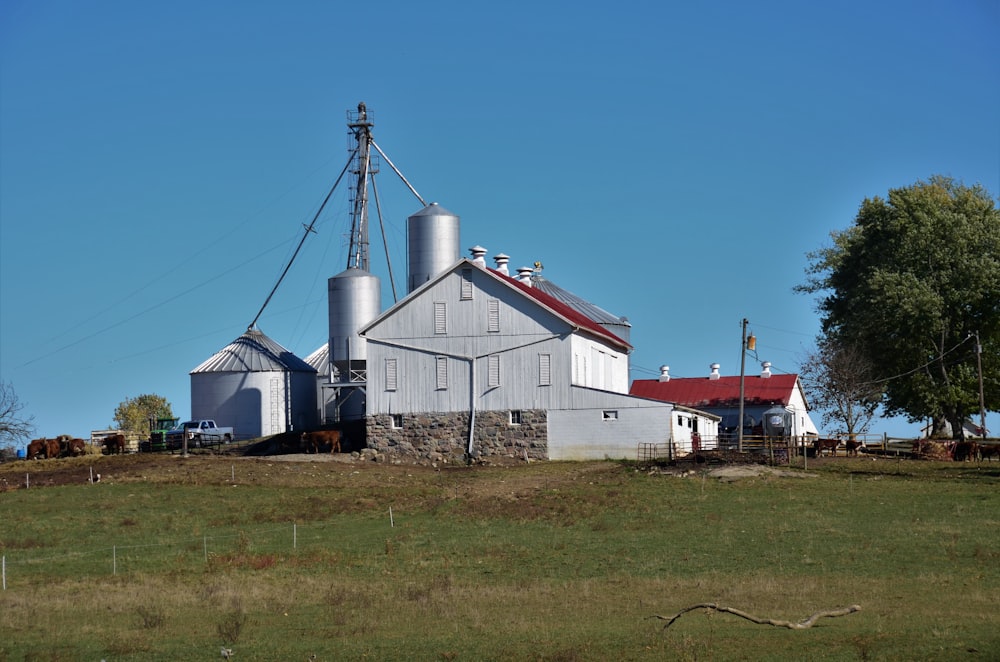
{"points": [[13, 426], [133, 414], [841, 384], [908, 285]]}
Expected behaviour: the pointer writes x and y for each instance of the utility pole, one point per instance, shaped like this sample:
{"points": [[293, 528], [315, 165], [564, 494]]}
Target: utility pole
{"points": [[982, 400], [743, 358]]}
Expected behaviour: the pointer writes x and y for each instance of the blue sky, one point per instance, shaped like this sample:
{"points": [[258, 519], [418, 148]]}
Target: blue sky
{"points": [[670, 162]]}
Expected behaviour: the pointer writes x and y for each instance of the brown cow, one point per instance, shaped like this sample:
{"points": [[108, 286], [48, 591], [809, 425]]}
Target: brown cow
{"points": [[319, 438], [52, 448], [74, 447], [826, 445], [989, 451], [115, 444], [36, 448], [964, 451], [852, 446]]}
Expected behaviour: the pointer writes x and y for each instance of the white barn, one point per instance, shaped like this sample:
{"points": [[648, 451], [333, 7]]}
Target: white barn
{"points": [[475, 363]]}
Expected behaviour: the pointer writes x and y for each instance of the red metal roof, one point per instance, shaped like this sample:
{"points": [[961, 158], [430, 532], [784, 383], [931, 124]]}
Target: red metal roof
{"points": [[575, 317], [701, 392]]}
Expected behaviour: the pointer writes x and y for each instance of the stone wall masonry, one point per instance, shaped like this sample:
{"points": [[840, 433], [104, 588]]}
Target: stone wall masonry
{"points": [[442, 437]]}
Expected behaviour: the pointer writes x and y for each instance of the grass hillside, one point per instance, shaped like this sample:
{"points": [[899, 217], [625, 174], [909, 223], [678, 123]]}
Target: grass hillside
{"points": [[170, 558]]}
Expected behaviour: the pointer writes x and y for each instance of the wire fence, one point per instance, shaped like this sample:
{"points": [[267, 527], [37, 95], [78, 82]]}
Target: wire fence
{"points": [[256, 547]]}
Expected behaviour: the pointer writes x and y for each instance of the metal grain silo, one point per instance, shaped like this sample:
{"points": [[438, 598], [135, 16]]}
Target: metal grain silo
{"points": [[432, 244], [354, 299], [256, 386]]}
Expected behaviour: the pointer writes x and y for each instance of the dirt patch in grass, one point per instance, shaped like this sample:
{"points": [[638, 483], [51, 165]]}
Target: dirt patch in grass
{"points": [[293, 470]]}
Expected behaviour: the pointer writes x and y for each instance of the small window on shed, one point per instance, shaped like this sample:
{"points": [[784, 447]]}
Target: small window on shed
{"points": [[610, 414], [396, 421], [515, 416], [680, 420]]}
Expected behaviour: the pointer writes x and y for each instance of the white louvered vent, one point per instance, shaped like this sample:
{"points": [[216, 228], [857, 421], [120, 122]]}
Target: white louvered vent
{"points": [[390, 374], [493, 377], [442, 372], [493, 313], [544, 369], [440, 317]]}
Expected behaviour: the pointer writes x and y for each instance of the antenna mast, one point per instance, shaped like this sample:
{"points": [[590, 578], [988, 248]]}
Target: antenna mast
{"points": [[362, 168]]}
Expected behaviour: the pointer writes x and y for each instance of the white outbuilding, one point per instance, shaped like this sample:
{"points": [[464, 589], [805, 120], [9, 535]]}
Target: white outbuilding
{"points": [[256, 386]]}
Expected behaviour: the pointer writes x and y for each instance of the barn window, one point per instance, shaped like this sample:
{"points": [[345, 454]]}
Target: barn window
{"points": [[396, 421], [440, 317], [544, 369], [493, 316], [493, 370], [515, 416], [466, 285], [390, 374], [610, 415], [680, 420], [442, 372]]}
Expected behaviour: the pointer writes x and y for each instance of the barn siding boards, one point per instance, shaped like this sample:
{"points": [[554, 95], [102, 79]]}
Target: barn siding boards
{"points": [[596, 366], [417, 378], [497, 319], [588, 434]]}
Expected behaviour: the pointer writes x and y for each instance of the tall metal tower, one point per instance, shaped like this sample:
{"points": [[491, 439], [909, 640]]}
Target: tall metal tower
{"points": [[363, 166]]}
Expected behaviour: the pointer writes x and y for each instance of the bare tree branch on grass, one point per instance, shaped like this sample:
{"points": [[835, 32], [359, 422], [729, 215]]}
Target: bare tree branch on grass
{"points": [[798, 625]]}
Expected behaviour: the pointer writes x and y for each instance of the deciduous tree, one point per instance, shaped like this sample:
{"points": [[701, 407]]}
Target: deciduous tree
{"points": [[133, 414], [13, 426], [841, 384], [908, 284]]}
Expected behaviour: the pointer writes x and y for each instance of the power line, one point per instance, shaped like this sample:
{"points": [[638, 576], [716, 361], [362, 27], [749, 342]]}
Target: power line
{"points": [[918, 368]]}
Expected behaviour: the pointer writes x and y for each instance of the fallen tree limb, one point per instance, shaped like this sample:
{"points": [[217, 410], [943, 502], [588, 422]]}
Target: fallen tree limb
{"points": [[799, 625]]}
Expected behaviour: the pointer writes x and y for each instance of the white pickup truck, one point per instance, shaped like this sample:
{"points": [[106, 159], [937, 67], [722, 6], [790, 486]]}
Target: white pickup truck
{"points": [[198, 433]]}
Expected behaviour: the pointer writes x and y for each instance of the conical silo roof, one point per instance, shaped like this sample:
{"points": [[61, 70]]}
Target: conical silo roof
{"points": [[253, 352], [320, 358]]}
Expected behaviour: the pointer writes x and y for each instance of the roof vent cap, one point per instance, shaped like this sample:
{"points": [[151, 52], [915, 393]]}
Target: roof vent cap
{"points": [[501, 261], [478, 253], [766, 372], [664, 373], [715, 371]]}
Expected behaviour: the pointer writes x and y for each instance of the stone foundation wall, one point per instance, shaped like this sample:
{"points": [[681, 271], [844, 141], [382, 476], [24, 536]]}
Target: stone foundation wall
{"points": [[442, 437]]}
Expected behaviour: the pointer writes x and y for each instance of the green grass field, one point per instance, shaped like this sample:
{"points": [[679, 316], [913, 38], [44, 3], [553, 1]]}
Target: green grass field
{"points": [[170, 559]]}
